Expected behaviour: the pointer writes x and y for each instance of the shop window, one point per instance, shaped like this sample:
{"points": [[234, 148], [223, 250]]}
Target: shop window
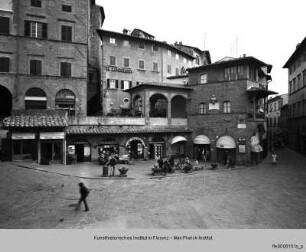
{"points": [[4, 25], [4, 64], [66, 33], [65, 100], [35, 29], [35, 98], [226, 107], [35, 67], [65, 69]]}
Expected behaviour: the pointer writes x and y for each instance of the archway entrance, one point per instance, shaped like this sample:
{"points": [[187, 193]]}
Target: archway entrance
{"points": [[226, 149], [5, 102], [136, 146], [201, 144]]}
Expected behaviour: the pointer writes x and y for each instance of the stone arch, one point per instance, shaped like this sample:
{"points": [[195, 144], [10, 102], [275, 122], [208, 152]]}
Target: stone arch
{"points": [[158, 105], [65, 99], [178, 106], [5, 101]]}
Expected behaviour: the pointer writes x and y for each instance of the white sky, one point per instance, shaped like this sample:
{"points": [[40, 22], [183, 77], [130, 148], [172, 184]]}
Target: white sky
{"points": [[266, 29]]}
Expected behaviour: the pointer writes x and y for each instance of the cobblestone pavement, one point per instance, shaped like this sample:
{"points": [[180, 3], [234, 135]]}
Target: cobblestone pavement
{"points": [[253, 197]]}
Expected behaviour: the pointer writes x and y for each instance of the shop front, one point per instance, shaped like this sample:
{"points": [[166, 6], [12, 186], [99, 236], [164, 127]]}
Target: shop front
{"points": [[178, 146], [79, 151], [51, 145], [201, 144], [226, 149], [24, 146], [136, 147], [157, 148], [108, 145]]}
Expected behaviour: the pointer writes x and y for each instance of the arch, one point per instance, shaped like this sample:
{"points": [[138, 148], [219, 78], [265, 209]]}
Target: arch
{"points": [[35, 98], [65, 99], [226, 142], [178, 107], [226, 150], [136, 147], [5, 102], [135, 139], [158, 105]]}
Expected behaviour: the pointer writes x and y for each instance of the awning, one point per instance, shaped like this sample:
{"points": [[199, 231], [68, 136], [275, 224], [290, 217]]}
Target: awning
{"points": [[259, 92], [201, 139], [226, 142], [178, 139]]}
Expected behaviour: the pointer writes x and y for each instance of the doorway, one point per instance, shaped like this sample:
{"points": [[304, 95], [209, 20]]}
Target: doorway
{"points": [[51, 151], [136, 149]]}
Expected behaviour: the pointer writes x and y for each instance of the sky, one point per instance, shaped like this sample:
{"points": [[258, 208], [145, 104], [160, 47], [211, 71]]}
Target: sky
{"points": [[268, 30]]}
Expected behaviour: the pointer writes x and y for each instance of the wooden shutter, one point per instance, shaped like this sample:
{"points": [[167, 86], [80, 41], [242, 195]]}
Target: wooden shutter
{"points": [[4, 25], [107, 83], [130, 84], [122, 84], [4, 65], [26, 28], [44, 30], [117, 84]]}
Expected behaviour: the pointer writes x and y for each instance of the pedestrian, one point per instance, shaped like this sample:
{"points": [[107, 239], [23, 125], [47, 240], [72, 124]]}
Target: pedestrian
{"points": [[112, 163], [84, 191], [274, 159]]}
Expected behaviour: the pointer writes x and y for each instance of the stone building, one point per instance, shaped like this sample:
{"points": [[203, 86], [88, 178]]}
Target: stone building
{"points": [[274, 120], [296, 66], [44, 60], [227, 110]]}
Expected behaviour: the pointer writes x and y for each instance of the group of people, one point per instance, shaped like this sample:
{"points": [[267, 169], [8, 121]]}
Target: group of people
{"points": [[110, 160]]}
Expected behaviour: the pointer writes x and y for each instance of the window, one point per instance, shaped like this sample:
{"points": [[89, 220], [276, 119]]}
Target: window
{"points": [[202, 108], [65, 100], [4, 25], [112, 40], [293, 85], [169, 69], [203, 78], [299, 81], [290, 87], [35, 98], [36, 3], [141, 64], [112, 84], [155, 48], [66, 33], [141, 46], [155, 66], [4, 64], [226, 107], [169, 53], [177, 56], [304, 78], [177, 71], [126, 62], [65, 69], [112, 60], [126, 43], [35, 29], [185, 60], [66, 8], [197, 60], [35, 67], [125, 84]]}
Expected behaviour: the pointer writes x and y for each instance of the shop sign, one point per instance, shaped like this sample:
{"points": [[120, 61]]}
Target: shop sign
{"points": [[20, 136], [241, 148], [52, 135], [118, 69]]}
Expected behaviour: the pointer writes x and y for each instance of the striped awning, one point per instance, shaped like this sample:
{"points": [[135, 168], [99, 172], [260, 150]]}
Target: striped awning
{"points": [[201, 139]]}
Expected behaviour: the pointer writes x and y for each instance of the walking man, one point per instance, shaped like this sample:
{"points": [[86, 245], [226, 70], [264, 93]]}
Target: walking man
{"points": [[84, 191]]}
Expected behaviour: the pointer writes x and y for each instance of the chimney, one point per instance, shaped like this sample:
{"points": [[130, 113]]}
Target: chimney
{"points": [[125, 31], [180, 42], [244, 55]]}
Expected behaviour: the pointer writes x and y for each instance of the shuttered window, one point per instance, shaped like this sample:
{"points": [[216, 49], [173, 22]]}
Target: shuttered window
{"points": [[35, 67], [66, 33], [65, 69], [4, 25], [35, 29], [4, 64]]}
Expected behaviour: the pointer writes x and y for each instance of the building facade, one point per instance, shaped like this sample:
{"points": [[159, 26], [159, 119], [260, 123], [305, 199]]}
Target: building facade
{"points": [[227, 110], [44, 58], [296, 66], [275, 122]]}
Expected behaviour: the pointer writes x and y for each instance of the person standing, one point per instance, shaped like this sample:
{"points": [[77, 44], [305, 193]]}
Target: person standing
{"points": [[112, 162], [84, 191], [274, 159]]}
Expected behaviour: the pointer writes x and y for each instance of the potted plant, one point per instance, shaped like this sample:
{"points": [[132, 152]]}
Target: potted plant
{"points": [[123, 171]]}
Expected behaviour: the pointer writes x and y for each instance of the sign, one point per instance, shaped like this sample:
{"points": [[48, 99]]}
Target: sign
{"points": [[212, 106], [20, 136], [52, 135], [241, 126], [241, 148], [118, 69], [71, 149]]}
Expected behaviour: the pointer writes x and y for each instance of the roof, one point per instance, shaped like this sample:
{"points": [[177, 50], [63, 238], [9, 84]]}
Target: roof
{"points": [[36, 118], [231, 61], [136, 30], [127, 36], [299, 50], [76, 130], [260, 92], [160, 85], [188, 49]]}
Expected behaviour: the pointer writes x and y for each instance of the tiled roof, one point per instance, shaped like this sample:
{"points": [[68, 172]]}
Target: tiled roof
{"points": [[39, 118], [72, 130]]}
